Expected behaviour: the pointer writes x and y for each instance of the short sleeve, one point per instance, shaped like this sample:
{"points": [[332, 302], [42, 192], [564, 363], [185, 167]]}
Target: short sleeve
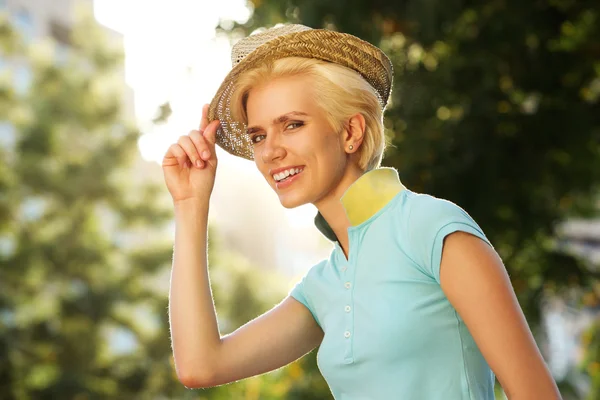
{"points": [[299, 292], [429, 222]]}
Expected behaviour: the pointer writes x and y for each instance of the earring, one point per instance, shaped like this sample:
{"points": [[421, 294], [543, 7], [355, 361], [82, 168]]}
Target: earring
{"points": [[351, 147]]}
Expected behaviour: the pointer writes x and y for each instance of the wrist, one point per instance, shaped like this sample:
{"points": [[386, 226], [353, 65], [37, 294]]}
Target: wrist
{"points": [[191, 206]]}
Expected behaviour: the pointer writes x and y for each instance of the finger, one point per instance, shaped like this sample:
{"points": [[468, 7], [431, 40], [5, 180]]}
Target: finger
{"points": [[204, 120], [210, 133], [190, 149], [175, 155], [202, 145]]}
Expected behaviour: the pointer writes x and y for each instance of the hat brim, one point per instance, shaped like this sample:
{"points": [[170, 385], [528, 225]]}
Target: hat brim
{"points": [[340, 48]]}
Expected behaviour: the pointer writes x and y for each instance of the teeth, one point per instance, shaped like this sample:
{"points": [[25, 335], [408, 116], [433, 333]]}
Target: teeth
{"points": [[286, 173]]}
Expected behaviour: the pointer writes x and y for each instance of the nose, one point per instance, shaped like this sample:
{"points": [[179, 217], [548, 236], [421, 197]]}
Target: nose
{"points": [[271, 149]]}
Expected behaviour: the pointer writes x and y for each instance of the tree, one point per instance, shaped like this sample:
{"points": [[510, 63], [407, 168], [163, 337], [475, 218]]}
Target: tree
{"points": [[495, 106], [83, 264], [74, 286]]}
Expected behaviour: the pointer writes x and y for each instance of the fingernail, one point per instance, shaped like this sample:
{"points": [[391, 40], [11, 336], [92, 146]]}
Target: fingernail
{"points": [[206, 154], [198, 163]]}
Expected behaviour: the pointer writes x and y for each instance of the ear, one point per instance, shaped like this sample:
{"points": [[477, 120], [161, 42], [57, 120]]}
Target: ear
{"points": [[354, 132]]}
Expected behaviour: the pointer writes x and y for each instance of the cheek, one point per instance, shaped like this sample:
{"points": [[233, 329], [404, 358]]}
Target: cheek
{"points": [[330, 157], [333, 151], [326, 142]]}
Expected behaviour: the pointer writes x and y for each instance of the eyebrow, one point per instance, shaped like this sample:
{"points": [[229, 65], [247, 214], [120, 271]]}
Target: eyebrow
{"points": [[279, 120]]}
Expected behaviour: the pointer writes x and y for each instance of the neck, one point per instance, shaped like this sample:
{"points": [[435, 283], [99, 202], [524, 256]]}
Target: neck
{"points": [[332, 209]]}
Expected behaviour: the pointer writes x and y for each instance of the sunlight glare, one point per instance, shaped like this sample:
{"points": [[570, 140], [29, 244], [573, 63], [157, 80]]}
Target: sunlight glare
{"points": [[171, 55]]}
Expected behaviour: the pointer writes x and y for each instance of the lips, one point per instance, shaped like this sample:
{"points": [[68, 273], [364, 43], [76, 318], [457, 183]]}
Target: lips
{"points": [[288, 181], [279, 170], [282, 176]]}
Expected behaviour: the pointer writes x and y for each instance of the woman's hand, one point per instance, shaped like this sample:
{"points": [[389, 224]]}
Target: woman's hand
{"points": [[189, 166]]}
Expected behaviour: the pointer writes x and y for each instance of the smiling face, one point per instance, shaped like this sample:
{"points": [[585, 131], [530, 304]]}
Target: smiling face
{"points": [[289, 130]]}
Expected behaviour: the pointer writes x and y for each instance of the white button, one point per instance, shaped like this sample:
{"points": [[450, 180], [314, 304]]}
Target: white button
{"points": [[344, 269], [347, 334], [347, 308], [347, 284]]}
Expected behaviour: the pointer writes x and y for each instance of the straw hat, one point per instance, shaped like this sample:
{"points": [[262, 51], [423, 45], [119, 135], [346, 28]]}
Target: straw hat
{"points": [[294, 40]]}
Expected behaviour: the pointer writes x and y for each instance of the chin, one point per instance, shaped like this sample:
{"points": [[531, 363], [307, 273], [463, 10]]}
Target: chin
{"points": [[292, 201]]}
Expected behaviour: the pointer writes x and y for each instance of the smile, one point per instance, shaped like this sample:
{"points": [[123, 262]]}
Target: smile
{"points": [[283, 175], [286, 180]]}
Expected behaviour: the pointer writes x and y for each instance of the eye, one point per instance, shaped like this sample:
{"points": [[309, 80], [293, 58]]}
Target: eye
{"points": [[294, 125], [253, 138]]}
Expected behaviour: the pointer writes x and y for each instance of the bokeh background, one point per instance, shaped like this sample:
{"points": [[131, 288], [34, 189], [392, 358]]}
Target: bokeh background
{"points": [[495, 106]]}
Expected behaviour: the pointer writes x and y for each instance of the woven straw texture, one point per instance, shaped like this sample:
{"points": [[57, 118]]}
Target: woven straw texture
{"points": [[294, 40]]}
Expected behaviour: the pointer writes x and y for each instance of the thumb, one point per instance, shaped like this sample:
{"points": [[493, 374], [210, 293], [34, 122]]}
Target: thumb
{"points": [[210, 133]]}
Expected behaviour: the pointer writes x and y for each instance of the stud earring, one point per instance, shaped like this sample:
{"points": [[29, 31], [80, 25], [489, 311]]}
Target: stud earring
{"points": [[351, 147]]}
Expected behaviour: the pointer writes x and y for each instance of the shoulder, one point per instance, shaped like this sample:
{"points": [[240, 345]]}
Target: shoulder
{"points": [[425, 207], [317, 269], [428, 221], [427, 215], [310, 276], [302, 289]]}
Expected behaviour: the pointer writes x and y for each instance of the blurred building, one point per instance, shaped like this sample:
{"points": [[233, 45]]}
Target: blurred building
{"points": [[567, 322], [38, 20], [41, 19], [256, 225], [583, 238]]}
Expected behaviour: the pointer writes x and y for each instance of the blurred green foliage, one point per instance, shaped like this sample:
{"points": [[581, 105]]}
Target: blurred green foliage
{"points": [[495, 106], [72, 282], [84, 266]]}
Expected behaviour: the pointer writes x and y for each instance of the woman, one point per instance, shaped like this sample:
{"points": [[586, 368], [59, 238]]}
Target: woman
{"points": [[413, 302]]}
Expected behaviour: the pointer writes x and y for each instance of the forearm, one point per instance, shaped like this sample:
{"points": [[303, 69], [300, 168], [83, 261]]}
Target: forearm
{"points": [[537, 384], [194, 330]]}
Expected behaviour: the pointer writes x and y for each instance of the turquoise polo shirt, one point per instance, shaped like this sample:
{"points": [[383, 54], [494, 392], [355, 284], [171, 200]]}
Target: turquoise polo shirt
{"points": [[390, 332]]}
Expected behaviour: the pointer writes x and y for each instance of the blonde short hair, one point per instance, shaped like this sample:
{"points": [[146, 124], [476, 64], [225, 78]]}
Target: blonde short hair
{"points": [[340, 92]]}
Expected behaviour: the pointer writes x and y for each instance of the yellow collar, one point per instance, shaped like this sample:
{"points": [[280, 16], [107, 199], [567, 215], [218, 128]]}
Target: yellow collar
{"points": [[365, 197]]}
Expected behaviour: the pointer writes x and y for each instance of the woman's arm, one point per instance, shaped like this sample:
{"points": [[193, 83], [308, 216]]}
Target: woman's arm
{"points": [[476, 283], [202, 357]]}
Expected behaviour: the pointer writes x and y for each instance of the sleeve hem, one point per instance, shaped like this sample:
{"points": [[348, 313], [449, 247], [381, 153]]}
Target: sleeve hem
{"points": [[298, 295], [438, 243]]}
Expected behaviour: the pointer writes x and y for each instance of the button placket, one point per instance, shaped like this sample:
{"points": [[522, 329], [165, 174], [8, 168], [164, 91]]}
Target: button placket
{"points": [[348, 270]]}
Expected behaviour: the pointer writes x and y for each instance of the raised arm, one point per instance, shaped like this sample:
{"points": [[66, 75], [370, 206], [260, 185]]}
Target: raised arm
{"points": [[202, 357]]}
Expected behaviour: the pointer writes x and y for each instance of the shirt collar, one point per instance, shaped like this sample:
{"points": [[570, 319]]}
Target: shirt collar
{"points": [[364, 198]]}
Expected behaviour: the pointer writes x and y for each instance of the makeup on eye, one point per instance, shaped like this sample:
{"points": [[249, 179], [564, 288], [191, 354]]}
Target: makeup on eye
{"points": [[277, 121], [254, 137], [297, 124]]}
